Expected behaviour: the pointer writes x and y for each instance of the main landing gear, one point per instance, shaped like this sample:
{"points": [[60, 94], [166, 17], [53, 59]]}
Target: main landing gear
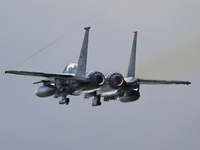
{"points": [[96, 101], [64, 100]]}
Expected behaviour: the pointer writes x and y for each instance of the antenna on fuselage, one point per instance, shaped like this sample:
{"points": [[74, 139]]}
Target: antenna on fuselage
{"points": [[82, 62]]}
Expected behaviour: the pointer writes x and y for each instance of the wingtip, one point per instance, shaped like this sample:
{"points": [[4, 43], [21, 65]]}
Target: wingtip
{"points": [[6, 71]]}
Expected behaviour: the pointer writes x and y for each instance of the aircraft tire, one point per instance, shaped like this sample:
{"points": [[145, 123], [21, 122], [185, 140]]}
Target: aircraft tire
{"points": [[67, 101]]}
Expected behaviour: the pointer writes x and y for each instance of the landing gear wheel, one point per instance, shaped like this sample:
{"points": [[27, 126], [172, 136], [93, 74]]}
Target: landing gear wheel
{"points": [[64, 100], [61, 102], [67, 101]]}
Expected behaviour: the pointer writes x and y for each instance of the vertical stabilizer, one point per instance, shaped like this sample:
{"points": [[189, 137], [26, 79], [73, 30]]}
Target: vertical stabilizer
{"points": [[131, 68], [82, 62]]}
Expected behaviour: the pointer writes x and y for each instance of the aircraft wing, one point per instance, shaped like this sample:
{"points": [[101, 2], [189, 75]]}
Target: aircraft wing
{"points": [[47, 75], [153, 82]]}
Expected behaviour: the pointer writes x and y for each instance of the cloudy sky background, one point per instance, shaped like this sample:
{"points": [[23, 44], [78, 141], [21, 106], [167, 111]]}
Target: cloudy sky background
{"points": [[165, 117]]}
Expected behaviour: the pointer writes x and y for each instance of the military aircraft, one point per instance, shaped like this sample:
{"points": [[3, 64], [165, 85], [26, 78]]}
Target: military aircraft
{"points": [[74, 80]]}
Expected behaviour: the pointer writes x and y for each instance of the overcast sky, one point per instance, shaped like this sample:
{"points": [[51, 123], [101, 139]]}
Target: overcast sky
{"points": [[165, 117]]}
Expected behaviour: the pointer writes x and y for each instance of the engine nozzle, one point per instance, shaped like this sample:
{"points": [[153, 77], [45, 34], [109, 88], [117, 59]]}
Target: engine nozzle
{"points": [[114, 80], [97, 79]]}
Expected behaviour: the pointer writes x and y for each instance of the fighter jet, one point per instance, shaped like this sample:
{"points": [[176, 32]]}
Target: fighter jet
{"points": [[74, 80]]}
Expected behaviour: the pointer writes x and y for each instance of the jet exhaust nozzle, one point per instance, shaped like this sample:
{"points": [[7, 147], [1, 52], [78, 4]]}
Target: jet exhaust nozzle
{"points": [[97, 79], [114, 80]]}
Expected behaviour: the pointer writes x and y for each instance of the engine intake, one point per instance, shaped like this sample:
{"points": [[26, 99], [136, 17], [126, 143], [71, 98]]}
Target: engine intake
{"points": [[97, 79], [114, 80]]}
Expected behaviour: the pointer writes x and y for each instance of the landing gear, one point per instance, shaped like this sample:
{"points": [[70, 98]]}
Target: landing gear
{"points": [[96, 101], [64, 100], [67, 101]]}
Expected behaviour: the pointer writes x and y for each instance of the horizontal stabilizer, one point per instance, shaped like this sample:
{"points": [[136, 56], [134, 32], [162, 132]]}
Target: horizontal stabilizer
{"points": [[154, 82], [47, 75]]}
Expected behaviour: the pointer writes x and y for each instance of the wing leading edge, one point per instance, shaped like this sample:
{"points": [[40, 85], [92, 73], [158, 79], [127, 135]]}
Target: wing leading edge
{"points": [[47, 75]]}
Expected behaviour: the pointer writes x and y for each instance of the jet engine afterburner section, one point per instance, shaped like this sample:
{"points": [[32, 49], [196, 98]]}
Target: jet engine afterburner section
{"points": [[97, 79], [114, 80]]}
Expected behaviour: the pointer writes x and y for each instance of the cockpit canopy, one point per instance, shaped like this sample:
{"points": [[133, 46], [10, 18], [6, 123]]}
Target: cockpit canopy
{"points": [[70, 68]]}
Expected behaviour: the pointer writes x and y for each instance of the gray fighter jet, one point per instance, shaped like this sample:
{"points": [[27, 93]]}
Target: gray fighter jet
{"points": [[74, 80]]}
